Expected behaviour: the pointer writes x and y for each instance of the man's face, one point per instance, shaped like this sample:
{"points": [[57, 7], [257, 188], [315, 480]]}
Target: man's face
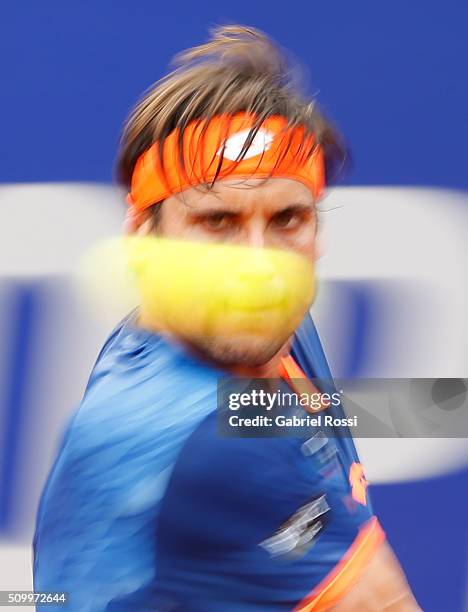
{"points": [[278, 213]]}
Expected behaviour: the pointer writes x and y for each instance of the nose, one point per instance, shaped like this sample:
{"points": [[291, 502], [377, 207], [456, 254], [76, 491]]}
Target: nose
{"points": [[256, 240], [254, 234], [257, 268]]}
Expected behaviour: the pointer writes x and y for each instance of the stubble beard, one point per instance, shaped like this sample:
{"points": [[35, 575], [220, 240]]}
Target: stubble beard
{"points": [[248, 350]]}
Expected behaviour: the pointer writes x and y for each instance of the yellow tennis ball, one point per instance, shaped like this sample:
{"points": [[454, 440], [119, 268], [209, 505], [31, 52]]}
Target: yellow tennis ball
{"points": [[105, 282], [196, 288]]}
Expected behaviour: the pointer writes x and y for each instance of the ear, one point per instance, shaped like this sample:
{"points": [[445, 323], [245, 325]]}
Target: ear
{"points": [[137, 222]]}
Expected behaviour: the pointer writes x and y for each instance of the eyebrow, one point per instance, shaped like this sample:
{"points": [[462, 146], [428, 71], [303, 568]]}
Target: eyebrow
{"points": [[206, 212], [299, 207]]}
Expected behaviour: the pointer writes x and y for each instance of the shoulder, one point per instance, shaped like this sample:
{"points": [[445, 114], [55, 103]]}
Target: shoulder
{"points": [[142, 401], [141, 383]]}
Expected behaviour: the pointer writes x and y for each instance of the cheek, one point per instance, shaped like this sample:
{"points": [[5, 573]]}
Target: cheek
{"points": [[308, 245], [303, 241]]}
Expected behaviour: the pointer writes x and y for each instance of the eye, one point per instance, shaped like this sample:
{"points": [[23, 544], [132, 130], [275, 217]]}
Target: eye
{"points": [[287, 219], [216, 221]]}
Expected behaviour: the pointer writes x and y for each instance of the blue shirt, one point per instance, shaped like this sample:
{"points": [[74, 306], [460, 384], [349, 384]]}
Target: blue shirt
{"points": [[148, 508]]}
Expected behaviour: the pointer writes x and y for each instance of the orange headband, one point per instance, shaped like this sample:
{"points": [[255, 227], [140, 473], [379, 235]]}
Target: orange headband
{"points": [[210, 150]]}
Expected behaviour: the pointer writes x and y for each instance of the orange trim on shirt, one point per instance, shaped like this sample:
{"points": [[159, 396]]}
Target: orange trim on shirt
{"points": [[358, 482], [288, 368], [347, 572], [290, 371]]}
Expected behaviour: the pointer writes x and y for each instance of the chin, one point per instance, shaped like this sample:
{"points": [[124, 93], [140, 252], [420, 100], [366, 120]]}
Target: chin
{"points": [[248, 350]]}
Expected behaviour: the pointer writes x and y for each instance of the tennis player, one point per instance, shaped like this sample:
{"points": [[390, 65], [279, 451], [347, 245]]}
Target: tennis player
{"points": [[147, 506]]}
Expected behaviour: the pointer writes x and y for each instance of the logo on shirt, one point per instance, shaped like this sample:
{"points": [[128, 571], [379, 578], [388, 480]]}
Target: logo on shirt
{"points": [[295, 537]]}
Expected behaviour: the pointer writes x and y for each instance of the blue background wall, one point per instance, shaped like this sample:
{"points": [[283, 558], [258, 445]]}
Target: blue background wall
{"points": [[391, 74]]}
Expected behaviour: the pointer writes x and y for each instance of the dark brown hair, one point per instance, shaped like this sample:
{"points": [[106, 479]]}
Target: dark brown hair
{"points": [[238, 69]]}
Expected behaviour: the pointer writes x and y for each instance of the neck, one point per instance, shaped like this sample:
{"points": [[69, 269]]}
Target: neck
{"points": [[266, 370]]}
